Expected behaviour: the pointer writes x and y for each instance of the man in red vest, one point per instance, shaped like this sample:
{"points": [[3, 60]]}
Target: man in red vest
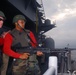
{"points": [[3, 32], [29, 66], [2, 18]]}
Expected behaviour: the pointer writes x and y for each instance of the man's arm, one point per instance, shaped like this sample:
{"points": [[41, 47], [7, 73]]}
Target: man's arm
{"points": [[7, 47], [34, 43]]}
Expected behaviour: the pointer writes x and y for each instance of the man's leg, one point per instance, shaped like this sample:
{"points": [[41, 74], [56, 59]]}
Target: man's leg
{"points": [[5, 64], [33, 68], [1, 61], [9, 67], [19, 67]]}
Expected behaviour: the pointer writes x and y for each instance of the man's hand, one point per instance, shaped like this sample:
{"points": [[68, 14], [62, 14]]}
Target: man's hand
{"points": [[39, 53], [24, 56]]}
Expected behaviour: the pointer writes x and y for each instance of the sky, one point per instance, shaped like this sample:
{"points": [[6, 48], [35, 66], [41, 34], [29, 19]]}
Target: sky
{"points": [[64, 13]]}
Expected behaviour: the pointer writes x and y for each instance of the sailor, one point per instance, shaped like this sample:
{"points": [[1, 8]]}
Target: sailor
{"points": [[2, 18], [19, 38], [3, 57]]}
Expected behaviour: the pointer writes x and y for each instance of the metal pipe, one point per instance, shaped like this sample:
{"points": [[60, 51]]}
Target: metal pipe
{"points": [[50, 71], [53, 62], [52, 66]]}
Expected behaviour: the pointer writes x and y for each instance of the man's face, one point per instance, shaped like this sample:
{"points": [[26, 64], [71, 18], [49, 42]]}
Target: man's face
{"points": [[1, 21], [21, 23]]}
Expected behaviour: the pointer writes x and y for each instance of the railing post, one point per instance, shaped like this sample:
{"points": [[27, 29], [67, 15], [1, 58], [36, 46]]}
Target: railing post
{"points": [[52, 66]]}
